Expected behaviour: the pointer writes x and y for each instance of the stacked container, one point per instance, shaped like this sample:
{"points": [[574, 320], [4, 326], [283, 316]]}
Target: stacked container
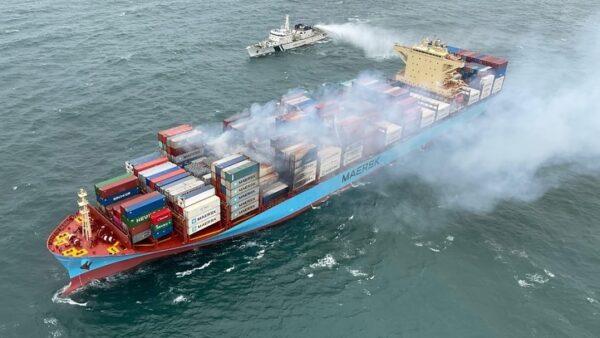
{"points": [[427, 117], [239, 188], [298, 164], [486, 83], [140, 160], [145, 176], [199, 167], [136, 212], [472, 95], [267, 175], [387, 133], [329, 161], [352, 153], [274, 192], [441, 109], [161, 223], [116, 189], [181, 144], [147, 164], [200, 208]]}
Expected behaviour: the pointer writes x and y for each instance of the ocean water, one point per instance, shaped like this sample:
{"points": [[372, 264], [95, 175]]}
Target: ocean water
{"points": [[492, 232]]}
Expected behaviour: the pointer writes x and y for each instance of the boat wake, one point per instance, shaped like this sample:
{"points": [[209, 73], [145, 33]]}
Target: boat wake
{"points": [[191, 271], [58, 299]]}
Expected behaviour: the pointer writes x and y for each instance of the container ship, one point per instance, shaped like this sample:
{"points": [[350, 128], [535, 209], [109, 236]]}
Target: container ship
{"points": [[265, 169]]}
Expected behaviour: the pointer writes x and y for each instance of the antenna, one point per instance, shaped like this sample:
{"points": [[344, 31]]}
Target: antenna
{"points": [[84, 213]]}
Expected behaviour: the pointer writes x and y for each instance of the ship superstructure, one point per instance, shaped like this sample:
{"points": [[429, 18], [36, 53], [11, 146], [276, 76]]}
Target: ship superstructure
{"points": [[284, 38], [189, 193]]}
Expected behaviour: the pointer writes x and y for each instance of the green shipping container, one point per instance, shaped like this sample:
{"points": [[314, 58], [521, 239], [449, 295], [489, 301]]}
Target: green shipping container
{"points": [[111, 180], [162, 225], [136, 221], [240, 172]]}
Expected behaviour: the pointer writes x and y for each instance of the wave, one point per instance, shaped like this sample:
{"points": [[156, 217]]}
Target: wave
{"points": [[191, 271]]}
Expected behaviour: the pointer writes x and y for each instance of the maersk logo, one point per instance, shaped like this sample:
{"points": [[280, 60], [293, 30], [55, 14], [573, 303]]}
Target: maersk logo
{"points": [[361, 170]]}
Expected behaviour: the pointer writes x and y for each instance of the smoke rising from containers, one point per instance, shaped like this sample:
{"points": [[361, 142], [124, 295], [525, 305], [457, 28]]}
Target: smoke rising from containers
{"points": [[377, 43], [547, 116]]}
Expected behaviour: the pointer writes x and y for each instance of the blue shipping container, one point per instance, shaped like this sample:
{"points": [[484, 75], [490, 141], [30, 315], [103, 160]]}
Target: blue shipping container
{"points": [[145, 207], [229, 163], [173, 179], [145, 158], [115, 198], [453, 50], [163, 232], [164, 172]]}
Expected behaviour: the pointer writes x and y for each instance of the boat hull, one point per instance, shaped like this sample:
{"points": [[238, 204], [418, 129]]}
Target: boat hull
{"points": [[255, 51], [82, 270]]}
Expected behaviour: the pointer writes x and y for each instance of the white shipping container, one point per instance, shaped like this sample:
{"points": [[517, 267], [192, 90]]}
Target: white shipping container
{"points": [[207, 178], [192, 136], [244, 211], [244, 203], [265, 169], [329, 152], [443, 110], [200, 217], [473, 95], [242, 189], [308, 166], [328, 169], [156, 169], [427, 118], [192, 154], [183, 203], [213, 165], [194, 228], [498, 85], [486, 90], [309, 174], [268, 179], [182, 189], [242, 196], [352, 155], [242, 181], [393, 132], [202, 207]]}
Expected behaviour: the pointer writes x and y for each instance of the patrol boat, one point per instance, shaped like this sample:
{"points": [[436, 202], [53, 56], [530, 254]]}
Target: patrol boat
{"points": [[285, 38]]}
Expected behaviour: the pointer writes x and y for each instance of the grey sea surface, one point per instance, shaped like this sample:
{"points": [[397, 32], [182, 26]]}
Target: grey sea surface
{"points": [[492, 232]]}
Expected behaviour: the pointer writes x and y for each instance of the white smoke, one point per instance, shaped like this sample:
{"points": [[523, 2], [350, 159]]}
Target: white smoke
{"points": [[547, 116], [377, 43]]}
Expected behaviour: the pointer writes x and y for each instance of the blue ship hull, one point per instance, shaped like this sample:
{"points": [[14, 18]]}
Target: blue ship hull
{"points": [[82, 270]]}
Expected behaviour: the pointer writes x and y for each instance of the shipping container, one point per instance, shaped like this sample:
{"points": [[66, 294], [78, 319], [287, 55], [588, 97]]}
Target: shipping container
{"points": [[235, 214], [149, 164], [118, 197], [139, 228], [239, 189], [141, 236], [117, 187], [472, 94], [390, 132], [135, 221], [164, 134], [109, 181], [149, 178], [199, 225], [497, 85], [352, 153], [486, 86], [269, 178], [156, 201], [251, 200], [164, 177], [274, 192], [201, 207], [239, 170], [160, 215], [141, 159], [427, 117], [196, 195], [142, 174], [232, 199], [225, 162], [163, 232]]}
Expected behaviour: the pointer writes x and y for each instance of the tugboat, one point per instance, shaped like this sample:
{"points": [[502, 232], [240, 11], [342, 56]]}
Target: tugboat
{"points": [[285, 38]]}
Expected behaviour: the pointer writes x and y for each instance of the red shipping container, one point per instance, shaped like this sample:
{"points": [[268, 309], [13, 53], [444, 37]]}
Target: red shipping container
{"points": [[407, 103], [160, 216], [494, 62], [118, 187], [160, 178], [138, 229], [176, 151], [148, 165], [164, 134]]}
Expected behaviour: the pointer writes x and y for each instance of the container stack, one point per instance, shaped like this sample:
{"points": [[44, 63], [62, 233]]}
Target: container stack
{"points": [[472, 95], [297, 102], [239, 189], [145, 176], [116, 189], [199, 167], [140, 160], [387, 133], [161, 223], [274, 193], [298, 164], [147, 164], [181, 144], [486, 84], [352, 153], [267, 175], [329, 161], [441, 109], [135, 215], [200, 208], [427, 117]]}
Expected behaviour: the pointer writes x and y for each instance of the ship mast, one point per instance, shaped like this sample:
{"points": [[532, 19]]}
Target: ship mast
{"points": [[84, 213], [287, 23]]}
